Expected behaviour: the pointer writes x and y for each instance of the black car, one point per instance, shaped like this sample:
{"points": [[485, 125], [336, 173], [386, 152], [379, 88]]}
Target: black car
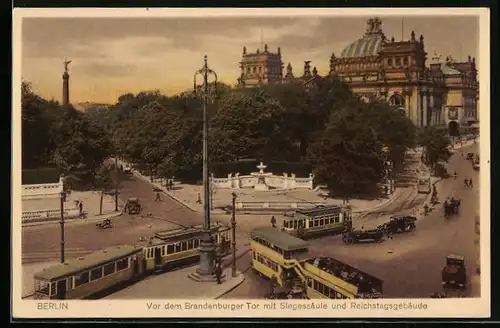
{"points": [[399, 223], [359, 236]]}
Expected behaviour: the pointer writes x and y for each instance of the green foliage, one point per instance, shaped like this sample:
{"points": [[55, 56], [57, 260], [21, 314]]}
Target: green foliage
{"points": [[347, 154], [436, 145], [61, 137], [103, 180]]}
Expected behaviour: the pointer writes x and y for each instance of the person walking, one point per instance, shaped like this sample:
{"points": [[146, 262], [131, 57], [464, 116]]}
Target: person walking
{"points": [[470, 182], [80, 207], [158, 197], [218, 274], [273, 221], [198, 201], [426, 209]]}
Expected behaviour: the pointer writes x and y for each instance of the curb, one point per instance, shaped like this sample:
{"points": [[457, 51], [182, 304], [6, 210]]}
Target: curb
{"points": [[140, 176], [103, 217], [232, 288], [384, 203]]}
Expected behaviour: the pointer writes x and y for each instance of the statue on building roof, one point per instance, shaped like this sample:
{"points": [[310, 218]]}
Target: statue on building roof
{"points": [[289, 68], [265, 48], [66, 63], [392, 39], [279, 50], [373, 26], [421, 38], [436, 58], [315, 71], [413, 35], [244, 50]]}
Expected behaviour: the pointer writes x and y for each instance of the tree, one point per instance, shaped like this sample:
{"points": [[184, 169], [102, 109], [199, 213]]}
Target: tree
{"points": [[82, 146], [103, 182], [436, 144], [393, 128], [249, 125], [347, 154]]}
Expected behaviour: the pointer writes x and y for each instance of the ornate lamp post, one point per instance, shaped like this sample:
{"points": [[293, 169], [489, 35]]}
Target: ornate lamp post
{"points": [[233, 226], [116, 183], [61, 222], [207, 250]]}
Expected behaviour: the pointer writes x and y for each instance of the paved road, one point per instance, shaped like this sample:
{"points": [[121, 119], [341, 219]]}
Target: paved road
{"points": [[42, 242], [410, 264]]}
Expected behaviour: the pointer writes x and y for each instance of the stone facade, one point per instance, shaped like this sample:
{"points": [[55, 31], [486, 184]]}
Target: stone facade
{"points": [[443, 93]]}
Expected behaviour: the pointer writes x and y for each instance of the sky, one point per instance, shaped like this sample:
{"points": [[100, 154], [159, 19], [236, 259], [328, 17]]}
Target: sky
{"points": [[113, 56]]}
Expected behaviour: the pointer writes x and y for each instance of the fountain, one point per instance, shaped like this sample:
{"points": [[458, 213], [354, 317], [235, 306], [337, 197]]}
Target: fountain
{"points": [[260, 184]]}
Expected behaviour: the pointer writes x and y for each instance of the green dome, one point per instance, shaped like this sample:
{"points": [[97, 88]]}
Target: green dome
{"points": [[364, 47]]}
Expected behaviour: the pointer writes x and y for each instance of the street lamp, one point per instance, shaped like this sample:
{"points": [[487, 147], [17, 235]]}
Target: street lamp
{"points": [[61, 222], [116, 183], [233, 226], [207, 250]]}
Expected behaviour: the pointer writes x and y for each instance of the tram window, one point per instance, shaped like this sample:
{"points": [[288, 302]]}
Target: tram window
{"points": [[109, 269], [82, 278], [52, 288], [177, 247], [163, 250], [96, 274], [309, 282], [337, 218], [170, 249], [190, 244], [184, 246], [42, 287], [69, 283], [316, 223], [196, 243], [287, 255], [322, 222], [122, 264], [285, 224], [316, 285], [253, 255]]}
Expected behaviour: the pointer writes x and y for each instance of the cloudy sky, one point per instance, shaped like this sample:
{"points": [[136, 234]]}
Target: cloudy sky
{"points": [[112, 56]]}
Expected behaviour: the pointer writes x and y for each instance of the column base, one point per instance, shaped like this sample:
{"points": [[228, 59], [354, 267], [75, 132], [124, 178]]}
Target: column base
{"points": [[199, 277]]}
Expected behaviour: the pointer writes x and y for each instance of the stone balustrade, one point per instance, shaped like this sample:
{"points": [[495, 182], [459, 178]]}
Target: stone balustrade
{"points": [[48, 190], [53, 214], [284, 181], [243, 206]]}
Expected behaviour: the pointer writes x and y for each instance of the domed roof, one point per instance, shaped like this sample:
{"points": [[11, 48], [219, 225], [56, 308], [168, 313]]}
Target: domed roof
{"points": [[364, 47], [370, 44]]}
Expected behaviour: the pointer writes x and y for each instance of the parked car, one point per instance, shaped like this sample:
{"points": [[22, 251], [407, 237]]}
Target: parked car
{"points": [[399, 223], [358, 236], [454, 274]]}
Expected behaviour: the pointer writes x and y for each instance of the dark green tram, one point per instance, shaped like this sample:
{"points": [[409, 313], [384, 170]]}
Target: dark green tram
{"points": [[102, 272], [84, 277]]}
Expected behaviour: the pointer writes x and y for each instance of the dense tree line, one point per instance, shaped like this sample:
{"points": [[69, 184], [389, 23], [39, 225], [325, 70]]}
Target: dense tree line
{"points": [[345, 139], [324, 124], [54, 136]]}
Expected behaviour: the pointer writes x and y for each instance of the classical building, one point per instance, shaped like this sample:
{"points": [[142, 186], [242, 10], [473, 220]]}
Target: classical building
{"points": [[442, 93]]}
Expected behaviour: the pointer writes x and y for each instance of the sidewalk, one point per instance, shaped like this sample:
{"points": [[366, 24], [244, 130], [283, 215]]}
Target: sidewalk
{"points": [[75, 221], [91, 206], [177, 285], [187, 195]]}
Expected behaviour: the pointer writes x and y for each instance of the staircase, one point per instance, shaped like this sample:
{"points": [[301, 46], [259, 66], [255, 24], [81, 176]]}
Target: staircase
{"points": [[408, 176]]}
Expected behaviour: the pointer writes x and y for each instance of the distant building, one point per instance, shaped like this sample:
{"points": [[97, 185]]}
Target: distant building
{"points": [[375, 68]]}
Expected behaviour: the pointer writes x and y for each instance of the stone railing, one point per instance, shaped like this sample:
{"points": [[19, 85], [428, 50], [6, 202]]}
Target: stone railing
{"points": [[249, 206], [284, 181], [48, 190], [47, 215]]}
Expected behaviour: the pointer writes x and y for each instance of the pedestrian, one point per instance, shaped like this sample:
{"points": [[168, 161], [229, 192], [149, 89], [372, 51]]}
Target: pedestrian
{"points": [[198, 201], [158, 197], [470, 182], [80, 207], [455, 175], [426, 209], [171, 184], [218, 274], [466, 182], [273, 221], [386, 189]]}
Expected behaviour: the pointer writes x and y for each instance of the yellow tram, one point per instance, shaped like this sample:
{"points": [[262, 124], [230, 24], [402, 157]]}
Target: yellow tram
{"points": [[320, 220], [284, 258], [102, 272]]}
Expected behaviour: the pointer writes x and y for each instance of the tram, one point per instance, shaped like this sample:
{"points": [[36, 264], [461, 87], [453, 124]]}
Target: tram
{"points": [[424, 184], [285, 259], [103, 272], [320, 220]]}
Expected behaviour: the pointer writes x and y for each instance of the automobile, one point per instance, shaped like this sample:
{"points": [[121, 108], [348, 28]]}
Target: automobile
{"points": [[452, 207], [358, 236], [454, 274], [399, 223], [133, 206], [470, 156], [475, 164]]}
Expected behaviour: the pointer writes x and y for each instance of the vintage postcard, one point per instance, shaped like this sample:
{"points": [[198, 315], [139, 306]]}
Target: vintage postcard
{"points": [[279, 163]]}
